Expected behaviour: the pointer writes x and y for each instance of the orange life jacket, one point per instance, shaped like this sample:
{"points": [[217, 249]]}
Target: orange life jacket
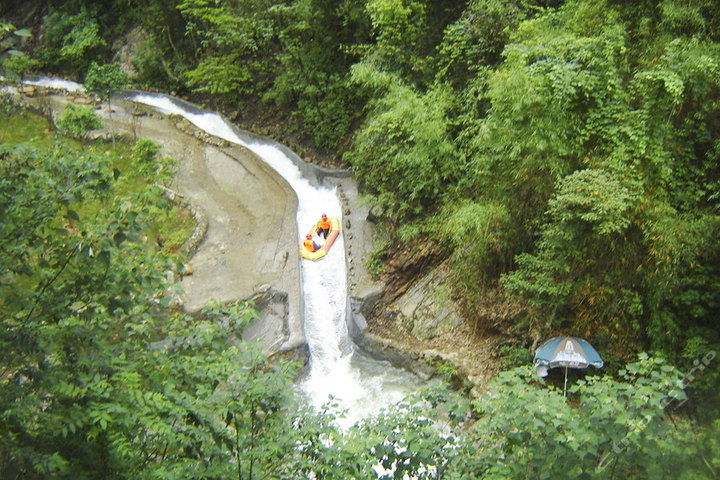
{"points": [[323, 225], [310, 245]]}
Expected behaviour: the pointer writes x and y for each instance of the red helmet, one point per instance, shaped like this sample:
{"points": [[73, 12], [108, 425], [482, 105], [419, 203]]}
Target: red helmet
{"points": [[308, 236]]}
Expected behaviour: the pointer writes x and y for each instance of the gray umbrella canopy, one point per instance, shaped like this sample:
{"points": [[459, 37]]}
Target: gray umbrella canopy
{"points": [[567, 352]]}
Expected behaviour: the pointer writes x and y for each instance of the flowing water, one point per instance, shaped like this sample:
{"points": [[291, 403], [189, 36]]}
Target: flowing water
{"points": [[358, 384], [339, 372]]}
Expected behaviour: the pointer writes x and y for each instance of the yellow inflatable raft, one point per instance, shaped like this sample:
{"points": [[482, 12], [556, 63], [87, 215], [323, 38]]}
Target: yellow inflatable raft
{"points": [[331, 237]]}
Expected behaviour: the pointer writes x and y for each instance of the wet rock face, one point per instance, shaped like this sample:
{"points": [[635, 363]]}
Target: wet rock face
{"points": [[425, 309], [405, 267], [28, 91], [271, 329], [126, 49]]}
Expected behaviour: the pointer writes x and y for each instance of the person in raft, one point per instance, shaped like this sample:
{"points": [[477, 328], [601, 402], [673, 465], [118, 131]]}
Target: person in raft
{"points": [[310, 243], [323, 227]]}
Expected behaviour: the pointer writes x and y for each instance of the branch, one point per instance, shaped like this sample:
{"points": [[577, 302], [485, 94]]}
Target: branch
{"points": [[50, 282]]}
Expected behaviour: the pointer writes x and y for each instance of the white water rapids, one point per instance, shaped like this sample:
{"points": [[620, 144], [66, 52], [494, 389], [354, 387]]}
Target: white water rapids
{"points": [[361, 386]]}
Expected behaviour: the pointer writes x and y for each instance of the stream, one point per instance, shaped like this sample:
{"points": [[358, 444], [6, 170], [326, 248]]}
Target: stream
{"points": [[339, 372]]}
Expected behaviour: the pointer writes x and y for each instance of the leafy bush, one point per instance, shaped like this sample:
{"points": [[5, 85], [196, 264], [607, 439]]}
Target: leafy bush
{"points": [[610, 429], [7, 104], [78, 120], [106, 79], [14, 64], [376, 263], [514, 356], [403, 154], [71, 42]]}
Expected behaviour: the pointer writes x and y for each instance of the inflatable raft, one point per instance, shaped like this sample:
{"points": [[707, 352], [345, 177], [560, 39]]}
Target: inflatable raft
{"points": [[331, 237]]}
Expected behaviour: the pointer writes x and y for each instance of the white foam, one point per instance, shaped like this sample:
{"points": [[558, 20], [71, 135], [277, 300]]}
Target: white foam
{"points": [[335, 372], [58, 83]]}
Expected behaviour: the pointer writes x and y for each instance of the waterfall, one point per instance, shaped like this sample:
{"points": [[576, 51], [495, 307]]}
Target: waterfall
{"points": [[359, 385], [338, 371]]}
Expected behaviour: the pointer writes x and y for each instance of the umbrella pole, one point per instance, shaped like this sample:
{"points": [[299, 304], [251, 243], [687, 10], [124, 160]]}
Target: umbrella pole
{"points": [[565, 385]]}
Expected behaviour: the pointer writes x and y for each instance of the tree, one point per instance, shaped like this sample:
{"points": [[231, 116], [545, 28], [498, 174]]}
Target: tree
{"points": [[550, 102], [477, 39], [235, 48], [106, 79], [167, 53], [403, 153], [316, 38], [78, 120], [478, 235], [398, 27], [71, 41], [585, 255], [613, 428]]}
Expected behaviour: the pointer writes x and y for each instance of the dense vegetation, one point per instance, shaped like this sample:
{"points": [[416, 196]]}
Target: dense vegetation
{"points": [[567, 151]]}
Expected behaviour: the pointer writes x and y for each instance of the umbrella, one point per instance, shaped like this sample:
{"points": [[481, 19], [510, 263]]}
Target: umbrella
{"points": [[568, 352]]}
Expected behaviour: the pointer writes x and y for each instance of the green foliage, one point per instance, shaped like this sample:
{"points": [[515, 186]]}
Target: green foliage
{"points": [[14, 64], [145, 151], [605, 171], [445, 369], [700, 362], [407, 136], [64, 284], [71, 41], [398, 26], [550, 103], [514, 356], [221, 75], [74, 34], [684, 18], [313, 78], [145, 155], [19, 66], [611, 429], [8, 106], [477, 39], [680, 111], [78, 120], [106, 79], [153, 69], [595, 199], [478, 235], [376, 262], [587, 230], [231, 39], [162, 58], [406, 442], [24, 126], [171, 226]]}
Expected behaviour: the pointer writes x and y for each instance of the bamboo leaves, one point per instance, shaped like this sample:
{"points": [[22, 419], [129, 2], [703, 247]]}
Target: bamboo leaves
{"points": [[408, 138]]}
